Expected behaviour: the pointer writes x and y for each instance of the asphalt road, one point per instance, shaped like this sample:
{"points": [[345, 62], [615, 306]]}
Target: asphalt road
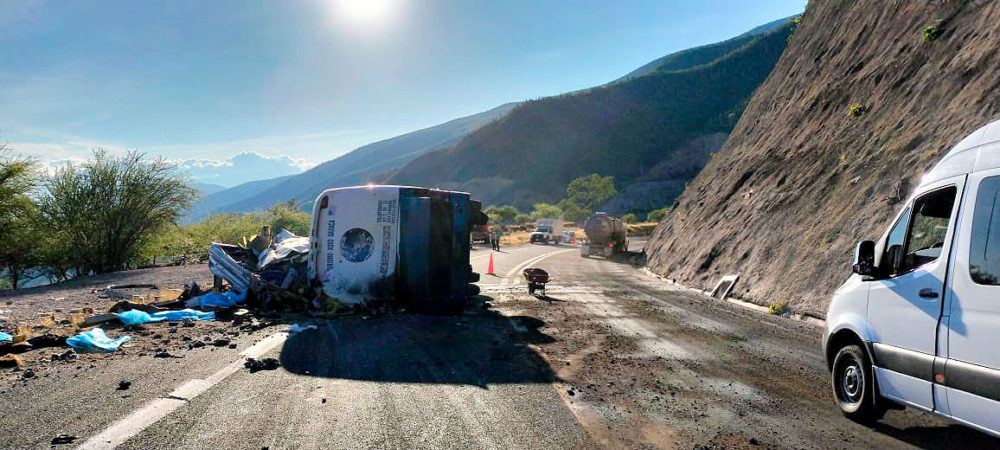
{"points": [[611, 358]]}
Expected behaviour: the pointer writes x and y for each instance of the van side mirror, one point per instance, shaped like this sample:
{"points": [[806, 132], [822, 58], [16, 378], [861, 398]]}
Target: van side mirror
{"points": [[864, 258]]}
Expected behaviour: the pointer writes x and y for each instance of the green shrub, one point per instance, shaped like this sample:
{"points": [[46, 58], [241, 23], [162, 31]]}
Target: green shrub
{"points": [[657, 215], [932, 33], [856, 110], [629, 218], [778, 309]]}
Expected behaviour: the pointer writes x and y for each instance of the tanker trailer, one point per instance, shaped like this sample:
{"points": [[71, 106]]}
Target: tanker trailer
{"points": [[606, 236]]}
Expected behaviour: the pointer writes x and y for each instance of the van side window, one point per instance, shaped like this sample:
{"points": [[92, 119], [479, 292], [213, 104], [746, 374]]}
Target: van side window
{"points": [[928, 227], [894, 244], [984, 252]]}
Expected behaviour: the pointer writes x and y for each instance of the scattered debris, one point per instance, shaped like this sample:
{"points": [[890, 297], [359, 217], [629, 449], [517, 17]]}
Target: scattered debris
{"points": [[96, 340], [256, 365], [725, 286], [221, 342], [165, 354], [68, 355], [28, 373], [63, 439], [296, 328], [135, 317], [18, 347], [11, 361], [5, 337], [217, 300], [99, 319], [46, 340], [123, 385]]}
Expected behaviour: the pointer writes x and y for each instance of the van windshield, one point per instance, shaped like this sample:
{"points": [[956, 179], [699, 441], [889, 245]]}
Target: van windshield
{"points": [[543, 229]]}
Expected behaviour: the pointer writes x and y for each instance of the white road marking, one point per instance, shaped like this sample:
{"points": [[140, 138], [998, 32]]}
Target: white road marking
{"points": [[509, 278], [139, 420]]}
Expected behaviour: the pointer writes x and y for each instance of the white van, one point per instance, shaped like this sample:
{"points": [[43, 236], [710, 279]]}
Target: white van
{"points": [[918, 324]]}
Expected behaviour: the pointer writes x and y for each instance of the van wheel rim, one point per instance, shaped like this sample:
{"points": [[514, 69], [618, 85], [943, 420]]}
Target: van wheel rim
{"points": [[852, 382]]}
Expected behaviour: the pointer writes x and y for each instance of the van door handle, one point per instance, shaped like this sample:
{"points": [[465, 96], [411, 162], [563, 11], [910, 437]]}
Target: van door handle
{"points": [[928, 293]]}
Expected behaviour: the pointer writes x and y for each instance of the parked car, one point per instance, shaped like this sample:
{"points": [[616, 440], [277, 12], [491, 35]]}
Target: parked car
{"points": [[918, 322]]}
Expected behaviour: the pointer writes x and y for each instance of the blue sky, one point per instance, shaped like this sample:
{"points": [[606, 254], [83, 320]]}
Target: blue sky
{"points": [[283, 85]]}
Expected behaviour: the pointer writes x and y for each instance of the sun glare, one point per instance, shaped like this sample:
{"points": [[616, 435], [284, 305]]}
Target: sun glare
{"points": [[365, 11]]}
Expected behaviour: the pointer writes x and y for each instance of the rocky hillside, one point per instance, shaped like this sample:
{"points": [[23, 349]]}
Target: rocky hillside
{"points": [[800, 180], [624, 129]]}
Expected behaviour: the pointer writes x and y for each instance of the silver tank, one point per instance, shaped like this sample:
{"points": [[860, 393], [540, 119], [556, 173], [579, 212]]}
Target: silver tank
{"points": [[602, 228]]}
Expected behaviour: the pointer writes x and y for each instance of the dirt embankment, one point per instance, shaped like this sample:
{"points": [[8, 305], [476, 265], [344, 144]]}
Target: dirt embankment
{"points": [[800, 180]]}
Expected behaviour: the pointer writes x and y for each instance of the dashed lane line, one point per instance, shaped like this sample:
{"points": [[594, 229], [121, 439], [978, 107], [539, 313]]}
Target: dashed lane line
{"points": [[143, 418]]}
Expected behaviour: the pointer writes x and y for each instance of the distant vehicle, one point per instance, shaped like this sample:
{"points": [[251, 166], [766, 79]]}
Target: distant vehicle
{"points": [[546, 231], [916, 324], [481, 233], [606, 236], [568, 236], [405, 245]]}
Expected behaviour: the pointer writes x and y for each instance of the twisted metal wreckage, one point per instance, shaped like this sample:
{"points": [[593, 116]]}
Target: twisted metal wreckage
{"points": [[370, 247]]}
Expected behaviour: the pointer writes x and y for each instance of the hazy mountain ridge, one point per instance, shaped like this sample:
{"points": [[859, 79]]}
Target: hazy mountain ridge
{"points": [[359, 166], [800, 181]]}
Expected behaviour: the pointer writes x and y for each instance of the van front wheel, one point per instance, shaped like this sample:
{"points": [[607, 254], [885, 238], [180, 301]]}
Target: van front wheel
{"points": [[853, 386]]}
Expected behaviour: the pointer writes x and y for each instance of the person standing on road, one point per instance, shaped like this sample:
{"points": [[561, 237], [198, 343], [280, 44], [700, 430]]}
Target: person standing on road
{"points": [[495, 239], [498, 240]]}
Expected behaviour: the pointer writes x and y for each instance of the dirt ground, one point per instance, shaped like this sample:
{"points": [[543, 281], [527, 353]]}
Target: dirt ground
{"points": [[53, 311]]}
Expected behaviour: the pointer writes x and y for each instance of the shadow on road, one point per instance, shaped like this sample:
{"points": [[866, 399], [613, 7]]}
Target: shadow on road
{"points": [[951, 436], [479, 348]]}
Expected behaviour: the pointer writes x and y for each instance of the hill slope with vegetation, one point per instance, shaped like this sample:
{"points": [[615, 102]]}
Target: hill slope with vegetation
{"points": [[622, 129], [865, 99]]}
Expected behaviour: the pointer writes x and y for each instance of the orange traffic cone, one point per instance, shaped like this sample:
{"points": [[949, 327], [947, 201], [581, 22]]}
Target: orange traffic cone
{"points": [[489, 270]]}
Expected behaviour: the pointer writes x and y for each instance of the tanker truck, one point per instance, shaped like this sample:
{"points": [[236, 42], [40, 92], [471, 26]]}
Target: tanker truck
{"points": [[606, 236]]}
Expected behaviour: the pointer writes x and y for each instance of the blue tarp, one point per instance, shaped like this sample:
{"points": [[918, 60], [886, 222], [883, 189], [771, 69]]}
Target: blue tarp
{"points": [[96, 340], [184, 314], [135, 317], [5, 337], [217, 300]]}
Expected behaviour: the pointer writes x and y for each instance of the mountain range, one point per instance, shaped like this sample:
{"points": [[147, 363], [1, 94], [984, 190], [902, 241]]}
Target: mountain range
{"points": [[653, 129]]}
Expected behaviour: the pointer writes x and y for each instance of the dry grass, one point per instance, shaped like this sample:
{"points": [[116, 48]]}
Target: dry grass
{"points": [[22, 333], [642, 228], [77, 319], [47, 321], [516, 238]]}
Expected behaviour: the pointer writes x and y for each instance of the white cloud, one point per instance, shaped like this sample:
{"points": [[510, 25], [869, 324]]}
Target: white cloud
{"points": [[242, 167]]}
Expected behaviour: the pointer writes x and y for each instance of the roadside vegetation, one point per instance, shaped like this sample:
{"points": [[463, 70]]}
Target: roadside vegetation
{"points": [[110, 213], [584, 196]]}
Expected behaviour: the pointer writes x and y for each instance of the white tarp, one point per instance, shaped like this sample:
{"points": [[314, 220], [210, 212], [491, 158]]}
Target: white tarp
{"points": [[285, 243], [357, 236]]}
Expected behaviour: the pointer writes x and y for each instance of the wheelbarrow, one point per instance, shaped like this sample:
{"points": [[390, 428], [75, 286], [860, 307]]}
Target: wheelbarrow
{"points": [[536, 279]]}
